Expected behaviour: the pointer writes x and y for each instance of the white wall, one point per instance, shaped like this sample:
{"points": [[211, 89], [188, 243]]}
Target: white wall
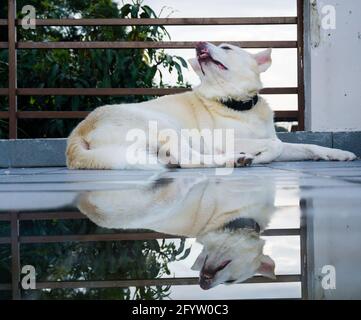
{"points": [[333, 67]]}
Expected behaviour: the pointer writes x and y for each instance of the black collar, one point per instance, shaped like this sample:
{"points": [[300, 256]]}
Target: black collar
{"points": [[241, 105], [243, 223]]}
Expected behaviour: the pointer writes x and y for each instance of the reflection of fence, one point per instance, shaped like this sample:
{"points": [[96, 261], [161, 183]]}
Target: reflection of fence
{"points": [[13, 45], [15, 240]]}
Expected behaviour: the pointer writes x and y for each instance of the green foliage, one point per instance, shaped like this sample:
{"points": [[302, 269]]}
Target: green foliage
{"points": [[86, 68]]}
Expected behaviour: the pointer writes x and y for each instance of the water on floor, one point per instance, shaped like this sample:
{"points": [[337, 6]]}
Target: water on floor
{"points": [[285, 230]]}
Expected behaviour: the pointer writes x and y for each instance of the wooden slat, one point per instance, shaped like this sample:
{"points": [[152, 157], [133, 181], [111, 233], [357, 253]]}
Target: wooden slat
{"points": [[4, 115], [97, 237], [279, 90], [125, 236], [52, 114], [286, 115], [5, 286], [300, 66], [147, 44], [143, 44], [146, 282], [99, 91], [128, 91], [129, 236], [281, 232], [279, 115], [64, 215], [5, 240], [22, 216], [305, 205], [163, 21], [125, 91], [5, 216], [153, 282], [12, 70], [15, 255]]}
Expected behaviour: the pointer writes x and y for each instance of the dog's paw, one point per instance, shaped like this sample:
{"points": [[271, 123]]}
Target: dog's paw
{"points": [[243, 160], [336, 155]]}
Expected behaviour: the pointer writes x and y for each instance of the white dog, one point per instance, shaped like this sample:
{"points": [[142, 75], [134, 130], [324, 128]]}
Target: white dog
{"points": [[227, 98], [225, 215]]}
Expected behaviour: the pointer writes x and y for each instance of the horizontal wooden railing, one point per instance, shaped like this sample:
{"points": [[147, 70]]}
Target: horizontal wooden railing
{"points": [[288, 115], [143, 44], [162, 21], [279, 115], [123, 91], [144, 282], [125, 236]]}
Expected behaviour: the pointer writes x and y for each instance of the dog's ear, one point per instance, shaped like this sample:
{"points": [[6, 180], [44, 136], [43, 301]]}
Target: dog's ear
{"points": [[267, 267], [264, 59], [195, 64]]}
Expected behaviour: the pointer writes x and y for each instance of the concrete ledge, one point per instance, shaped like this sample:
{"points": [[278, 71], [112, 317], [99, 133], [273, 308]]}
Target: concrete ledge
{"points": [[33, 153], [350, 141], [4, 154], [51, 152], [323, 139]]}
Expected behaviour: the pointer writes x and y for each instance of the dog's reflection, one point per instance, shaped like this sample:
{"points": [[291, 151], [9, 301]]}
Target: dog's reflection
{"points": [[226, 215]]}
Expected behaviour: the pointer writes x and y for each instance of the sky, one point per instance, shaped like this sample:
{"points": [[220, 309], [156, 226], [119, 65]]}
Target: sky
{"points": [[283, 72]]}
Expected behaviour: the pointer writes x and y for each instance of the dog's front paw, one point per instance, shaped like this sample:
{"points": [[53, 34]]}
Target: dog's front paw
{"points": [[242, 160], [336, 155]]}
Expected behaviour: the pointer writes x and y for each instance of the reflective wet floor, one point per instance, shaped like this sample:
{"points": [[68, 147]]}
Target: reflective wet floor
{"points": [[285, 230]]}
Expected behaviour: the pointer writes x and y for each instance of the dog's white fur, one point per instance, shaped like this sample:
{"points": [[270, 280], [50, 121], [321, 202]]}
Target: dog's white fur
{"points": [[100, 140], [195, 207]]}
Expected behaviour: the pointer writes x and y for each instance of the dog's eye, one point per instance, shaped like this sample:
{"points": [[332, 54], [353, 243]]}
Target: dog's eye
{"points": [[226, 48]]}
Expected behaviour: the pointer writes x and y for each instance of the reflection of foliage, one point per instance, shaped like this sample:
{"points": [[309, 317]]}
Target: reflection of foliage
{"points": [[92, 68], [73, 261], [5, 259]]}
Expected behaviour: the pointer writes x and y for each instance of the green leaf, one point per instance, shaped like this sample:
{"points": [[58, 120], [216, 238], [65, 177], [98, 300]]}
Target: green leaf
{"points": [[182, 61], [134, 11], [125, 10], [150, 12], [179, 72], [186, 254]]}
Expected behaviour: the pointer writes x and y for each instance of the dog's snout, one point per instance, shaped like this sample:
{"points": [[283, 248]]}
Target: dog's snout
{"points": [[205, 284], [206, 279], [201, 47]]}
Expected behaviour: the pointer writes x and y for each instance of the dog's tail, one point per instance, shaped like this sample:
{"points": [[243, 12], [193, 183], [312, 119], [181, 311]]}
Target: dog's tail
{"points": [[79, 154]]}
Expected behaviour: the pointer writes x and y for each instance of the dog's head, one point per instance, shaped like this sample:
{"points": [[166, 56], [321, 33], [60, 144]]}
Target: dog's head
{"points": [[231, 257], [229, 72]]}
